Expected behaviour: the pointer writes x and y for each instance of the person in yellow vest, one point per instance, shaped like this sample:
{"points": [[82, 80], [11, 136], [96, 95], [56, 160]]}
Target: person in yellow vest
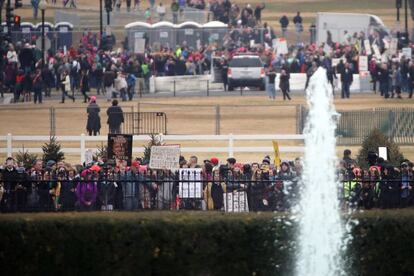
{"points": [[352, 188]]}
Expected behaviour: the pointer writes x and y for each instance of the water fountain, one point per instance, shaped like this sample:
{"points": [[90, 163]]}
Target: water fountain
{"points": [[321, 230]]}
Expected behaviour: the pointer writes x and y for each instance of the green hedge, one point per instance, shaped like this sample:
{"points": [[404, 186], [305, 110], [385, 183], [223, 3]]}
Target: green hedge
{"points": [[189, 243]]}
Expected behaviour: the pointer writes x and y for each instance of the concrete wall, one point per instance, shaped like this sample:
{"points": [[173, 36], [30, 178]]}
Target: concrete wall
{"points": [[199, 83]]}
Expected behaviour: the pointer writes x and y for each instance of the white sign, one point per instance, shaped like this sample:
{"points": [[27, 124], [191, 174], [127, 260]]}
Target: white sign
{"points": [[190, 185], [165, 157], [363, 63], [376, 51], [367, 47], [386, 43], [108, 31], [281, 46], [235, 202], [88, 156], [163, 34], [393, 46], [188, 31], [139, 45], [26, 30], [407, 52], [274, 43], [383, 152], [327, 49]]}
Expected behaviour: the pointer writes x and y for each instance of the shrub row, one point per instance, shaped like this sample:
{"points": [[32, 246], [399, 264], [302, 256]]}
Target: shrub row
{"points": [[189, 243]]}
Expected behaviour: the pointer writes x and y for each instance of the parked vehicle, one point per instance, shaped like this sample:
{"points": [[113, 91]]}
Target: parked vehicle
{"points": [[246, 70]]}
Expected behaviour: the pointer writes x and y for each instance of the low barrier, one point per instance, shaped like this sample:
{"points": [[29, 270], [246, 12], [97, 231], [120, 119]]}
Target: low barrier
{"points": [[204, 83]]}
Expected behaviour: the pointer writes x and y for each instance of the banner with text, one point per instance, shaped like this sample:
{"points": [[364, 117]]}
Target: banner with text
{"points": [[190, 185], [165, 157], [120, 147]]}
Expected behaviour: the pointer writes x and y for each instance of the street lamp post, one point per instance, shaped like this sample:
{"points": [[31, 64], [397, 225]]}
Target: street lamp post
{"points": [[43, 6]]}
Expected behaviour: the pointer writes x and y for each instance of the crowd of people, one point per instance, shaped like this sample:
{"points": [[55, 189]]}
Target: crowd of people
{"points": [[109, 185], [122, 73]]}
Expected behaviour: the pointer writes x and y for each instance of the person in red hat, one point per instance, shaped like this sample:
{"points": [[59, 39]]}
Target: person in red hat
{"points": [[214, 161]]}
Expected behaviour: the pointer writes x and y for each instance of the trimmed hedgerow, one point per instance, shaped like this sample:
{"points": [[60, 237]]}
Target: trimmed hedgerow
{"points": [[189, 243], [155, 243]]}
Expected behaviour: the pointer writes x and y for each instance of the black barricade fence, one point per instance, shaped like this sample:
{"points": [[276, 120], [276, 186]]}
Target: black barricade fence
{"points": [[138, 189]]}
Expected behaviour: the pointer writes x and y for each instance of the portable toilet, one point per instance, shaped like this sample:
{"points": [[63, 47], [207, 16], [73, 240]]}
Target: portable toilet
{"points": [[64, 32], [27, 30], [136, 32], [163, 35], [214, 32], [190, 33]]}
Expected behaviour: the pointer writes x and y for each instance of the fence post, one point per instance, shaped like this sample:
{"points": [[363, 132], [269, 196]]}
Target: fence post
{"points": [[208, 88], [52, 118], [82, 148], [231, 145], [217, 119], [174, 88], [241, 90], [9, 145]]}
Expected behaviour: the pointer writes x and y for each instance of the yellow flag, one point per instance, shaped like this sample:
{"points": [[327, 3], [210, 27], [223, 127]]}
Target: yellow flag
{"points": [[277, 154]]}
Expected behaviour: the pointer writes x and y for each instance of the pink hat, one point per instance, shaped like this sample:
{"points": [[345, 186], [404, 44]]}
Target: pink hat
{"points": [[143, 169], [93, 99], [84, 173]]}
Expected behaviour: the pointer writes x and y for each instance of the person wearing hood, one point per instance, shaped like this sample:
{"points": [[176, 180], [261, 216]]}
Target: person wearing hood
{"points": [[93, 125]]}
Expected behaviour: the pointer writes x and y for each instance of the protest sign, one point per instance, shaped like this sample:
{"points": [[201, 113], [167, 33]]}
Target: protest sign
{"points": [[281, 46], [393, 46], [367, 47], [190, 185], [407, 52], [139, 45], [376, 51], [165, 157], [235, 202], [120, 147], [277, 153], [363, 63]]}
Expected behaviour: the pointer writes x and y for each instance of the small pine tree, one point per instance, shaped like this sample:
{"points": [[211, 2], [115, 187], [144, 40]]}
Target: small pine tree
{"points": [[371, 143], [52, 151], [154, 141], [26, 158], [101, 153]]}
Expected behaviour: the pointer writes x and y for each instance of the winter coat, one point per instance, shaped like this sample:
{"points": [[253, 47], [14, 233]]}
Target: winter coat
{"points": [[94, 120], [213, 195], [86, 192], [115, 116], [284, 82]]}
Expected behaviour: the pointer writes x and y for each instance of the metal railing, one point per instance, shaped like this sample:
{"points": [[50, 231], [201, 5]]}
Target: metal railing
{"points": [[355, 125], [164, 190], [140, 123]]}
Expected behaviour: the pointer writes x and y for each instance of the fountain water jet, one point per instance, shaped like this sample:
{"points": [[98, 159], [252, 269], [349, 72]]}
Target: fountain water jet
{"points": [[321, 230]]}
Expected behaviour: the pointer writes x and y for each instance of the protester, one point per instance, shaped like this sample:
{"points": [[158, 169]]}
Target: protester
{"points": [[93, 125], [270, 88], [115, 118], [346, 81]]}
